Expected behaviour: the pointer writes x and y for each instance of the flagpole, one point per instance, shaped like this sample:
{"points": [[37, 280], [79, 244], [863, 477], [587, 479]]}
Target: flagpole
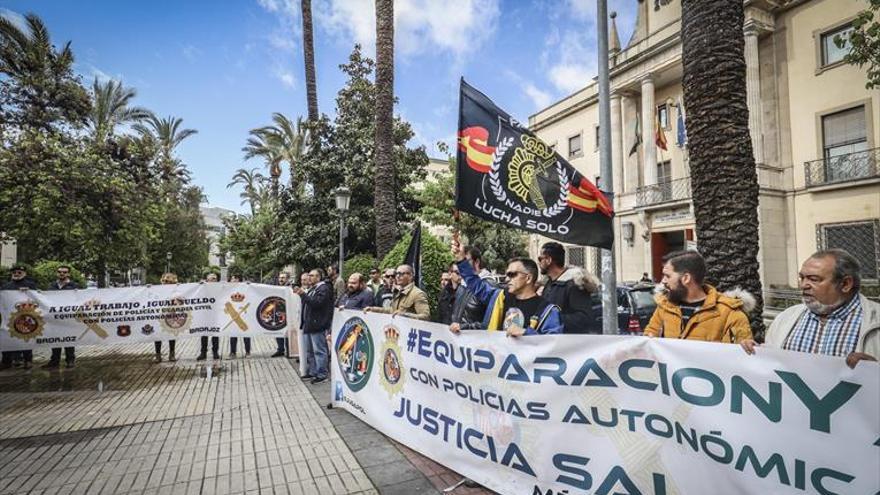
{"points": [[609, 277]]}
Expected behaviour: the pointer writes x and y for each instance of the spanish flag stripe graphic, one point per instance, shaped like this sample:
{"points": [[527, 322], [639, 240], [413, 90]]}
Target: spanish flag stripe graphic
{"points": [[478, 153]]}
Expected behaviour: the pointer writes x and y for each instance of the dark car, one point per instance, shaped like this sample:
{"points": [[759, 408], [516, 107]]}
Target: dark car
{"points": [[635, 305]]}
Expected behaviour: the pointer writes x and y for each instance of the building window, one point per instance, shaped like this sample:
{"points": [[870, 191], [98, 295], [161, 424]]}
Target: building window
{"points": [[664, 180], [574, 256], [860, 239], [844, 132], [596, 148], [575, 148], [831, 53], [663, 116]]}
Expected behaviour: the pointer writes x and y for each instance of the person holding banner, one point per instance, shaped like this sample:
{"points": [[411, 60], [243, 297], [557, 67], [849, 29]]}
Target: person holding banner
{"points": [[62, 282], [408, 300], [693, 310], [215, 341], [834, 318], [386, 292], [167, 278], [281, 342], [18, 281], [317, 319], [233, 341], [518, 310]]}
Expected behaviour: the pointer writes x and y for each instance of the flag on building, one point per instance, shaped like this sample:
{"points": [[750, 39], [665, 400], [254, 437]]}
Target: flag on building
{"points": [[413, 256], [637, 136], [681, 131], [505, 174], [659, 135]]}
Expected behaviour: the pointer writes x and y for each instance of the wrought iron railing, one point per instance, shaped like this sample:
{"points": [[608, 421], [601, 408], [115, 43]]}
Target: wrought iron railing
{"points": [[843, 168], [663, 192]]}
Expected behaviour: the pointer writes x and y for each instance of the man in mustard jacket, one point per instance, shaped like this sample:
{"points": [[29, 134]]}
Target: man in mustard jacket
{"points": [[690, 309], [408, 299]]}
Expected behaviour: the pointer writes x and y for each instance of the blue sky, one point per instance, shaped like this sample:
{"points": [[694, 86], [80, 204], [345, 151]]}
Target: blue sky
{"points": [[224, 67]]}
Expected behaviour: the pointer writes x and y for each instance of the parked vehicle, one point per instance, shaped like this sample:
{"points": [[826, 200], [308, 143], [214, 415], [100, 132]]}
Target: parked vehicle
{"points": [[635, 305]]}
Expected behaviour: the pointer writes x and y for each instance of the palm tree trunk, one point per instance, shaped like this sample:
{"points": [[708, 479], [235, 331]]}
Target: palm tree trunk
{"points": [[309, 60], [384, 199], [723, 175]]}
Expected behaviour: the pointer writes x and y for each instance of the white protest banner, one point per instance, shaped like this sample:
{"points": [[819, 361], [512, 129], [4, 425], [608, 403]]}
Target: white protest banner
{"points": [[593, 414], [31, 319]]}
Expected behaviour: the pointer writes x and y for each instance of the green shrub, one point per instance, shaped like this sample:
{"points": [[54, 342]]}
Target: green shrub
{"points": [[436, 258], [360, 263], [44, 273]]}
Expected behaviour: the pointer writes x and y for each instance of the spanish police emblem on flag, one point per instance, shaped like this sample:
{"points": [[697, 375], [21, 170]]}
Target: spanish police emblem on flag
{"points": [[506, 174]]}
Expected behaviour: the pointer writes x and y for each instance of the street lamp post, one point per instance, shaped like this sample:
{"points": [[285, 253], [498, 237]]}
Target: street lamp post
{"points": [[168, 262], [343, 198]]}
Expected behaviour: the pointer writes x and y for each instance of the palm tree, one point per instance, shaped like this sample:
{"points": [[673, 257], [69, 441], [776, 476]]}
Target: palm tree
{"points": [[168, 135], [53, 93], [723, 175], [110, 108], [384, 197], [282, 141], [252, 182], [309, 60]]}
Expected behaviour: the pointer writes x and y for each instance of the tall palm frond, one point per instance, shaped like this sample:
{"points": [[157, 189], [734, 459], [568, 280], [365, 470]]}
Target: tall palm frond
{"points": [[110, 108], [252, 183], [168, 135]]}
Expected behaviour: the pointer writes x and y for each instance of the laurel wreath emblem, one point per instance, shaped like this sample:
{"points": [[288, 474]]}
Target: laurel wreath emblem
{"points": [[501, 195]]}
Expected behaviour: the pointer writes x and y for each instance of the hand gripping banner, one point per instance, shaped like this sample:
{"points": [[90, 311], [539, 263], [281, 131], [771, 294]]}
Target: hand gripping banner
{"points": [[506, 174], [601, 415]]}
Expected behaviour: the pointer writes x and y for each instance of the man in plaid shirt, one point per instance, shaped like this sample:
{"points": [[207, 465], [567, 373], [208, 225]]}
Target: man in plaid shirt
{"points": [[834, 318]]}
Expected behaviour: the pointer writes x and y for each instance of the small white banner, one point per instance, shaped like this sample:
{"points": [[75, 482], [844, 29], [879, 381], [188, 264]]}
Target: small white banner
{"points": [[31, 319], [597, 415]]}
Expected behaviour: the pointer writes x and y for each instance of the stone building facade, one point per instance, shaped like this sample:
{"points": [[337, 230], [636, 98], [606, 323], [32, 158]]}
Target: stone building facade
{"points": [[813, 125]]}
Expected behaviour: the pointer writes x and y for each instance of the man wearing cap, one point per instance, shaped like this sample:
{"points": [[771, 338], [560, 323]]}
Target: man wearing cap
{"points": [[18, 281], [62, 282]]}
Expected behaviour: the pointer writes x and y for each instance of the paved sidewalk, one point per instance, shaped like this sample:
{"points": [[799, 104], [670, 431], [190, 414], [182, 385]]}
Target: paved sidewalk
{"points": [[118, 423]]}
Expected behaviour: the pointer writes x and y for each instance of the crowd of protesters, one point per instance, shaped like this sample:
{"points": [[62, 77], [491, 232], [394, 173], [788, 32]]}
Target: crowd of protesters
{"points": [[551, 297]]}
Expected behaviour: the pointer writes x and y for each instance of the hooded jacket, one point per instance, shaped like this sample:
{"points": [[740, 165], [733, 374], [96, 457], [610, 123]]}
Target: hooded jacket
{"points": [[721, 318], [571, 292], [869, 333]]}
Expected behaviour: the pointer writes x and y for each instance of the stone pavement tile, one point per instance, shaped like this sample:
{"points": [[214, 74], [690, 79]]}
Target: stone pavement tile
{"points": [[384, 475], [411, 487]]}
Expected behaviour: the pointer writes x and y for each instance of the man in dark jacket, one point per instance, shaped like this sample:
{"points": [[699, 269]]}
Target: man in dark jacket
{"points": [[474, 308], [18, 281], [357, 295], [281, 342], [386, 291], [461, 294], [569, 288], [446, 299], [317, 318], [62, 282]]}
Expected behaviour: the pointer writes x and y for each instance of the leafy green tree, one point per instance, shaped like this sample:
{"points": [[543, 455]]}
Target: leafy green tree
{"points": [[168, 135], [341, 153], [360, 263], [39, 90], [283, 141], [251, 240], [864, 42], [497, 242]]}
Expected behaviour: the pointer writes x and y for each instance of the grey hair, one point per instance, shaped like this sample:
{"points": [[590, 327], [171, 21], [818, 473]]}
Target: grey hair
{"points": [[845, 265]]}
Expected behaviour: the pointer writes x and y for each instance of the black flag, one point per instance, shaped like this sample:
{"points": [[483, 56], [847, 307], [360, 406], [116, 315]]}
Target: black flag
{"points": [[414, 254], [506, 174]]}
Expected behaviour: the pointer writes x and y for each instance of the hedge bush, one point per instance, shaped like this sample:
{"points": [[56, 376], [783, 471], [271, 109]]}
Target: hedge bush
{"points": [[360, 263], [436, 258]]}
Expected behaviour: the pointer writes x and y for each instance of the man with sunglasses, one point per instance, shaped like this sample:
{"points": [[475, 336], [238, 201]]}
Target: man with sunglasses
{"points": [[408, 300], [386, 291], [62, 282], [518, 310]]}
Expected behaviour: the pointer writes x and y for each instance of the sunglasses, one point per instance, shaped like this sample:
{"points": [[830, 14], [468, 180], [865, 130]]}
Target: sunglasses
{"points": [[390, 275], [512, 275], [400, 274]]}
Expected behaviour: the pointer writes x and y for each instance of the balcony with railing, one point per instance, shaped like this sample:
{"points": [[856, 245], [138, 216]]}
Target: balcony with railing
{"points": [[843, 168], [664, 192]]}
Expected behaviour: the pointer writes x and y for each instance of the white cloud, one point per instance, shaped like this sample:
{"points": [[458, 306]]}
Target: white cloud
{"points": [[15, 18], [191, 52], [93, 73], [571, 57], [455, 27], [570, 78], [286, 77], [540, 98]]}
